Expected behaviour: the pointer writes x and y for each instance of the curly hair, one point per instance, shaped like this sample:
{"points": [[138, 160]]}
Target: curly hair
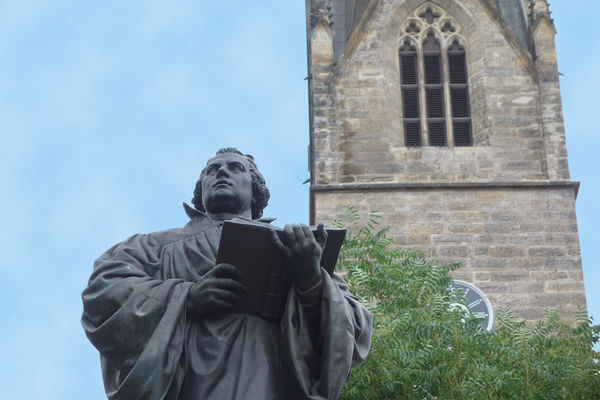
{"points": [[260, 192]]}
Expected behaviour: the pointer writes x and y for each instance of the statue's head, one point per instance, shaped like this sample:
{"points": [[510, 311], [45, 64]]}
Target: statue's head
{"points": [[231, 182]]}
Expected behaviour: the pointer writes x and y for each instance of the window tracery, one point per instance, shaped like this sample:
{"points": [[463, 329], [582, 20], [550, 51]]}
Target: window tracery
{"points": [[434, 80]]}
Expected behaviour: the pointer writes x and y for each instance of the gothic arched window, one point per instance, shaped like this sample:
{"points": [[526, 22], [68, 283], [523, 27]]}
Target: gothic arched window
{"points": [[434, 81]]}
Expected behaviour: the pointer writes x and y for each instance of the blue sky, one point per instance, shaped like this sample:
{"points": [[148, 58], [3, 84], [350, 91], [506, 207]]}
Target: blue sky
{"points": [[108, 111]]}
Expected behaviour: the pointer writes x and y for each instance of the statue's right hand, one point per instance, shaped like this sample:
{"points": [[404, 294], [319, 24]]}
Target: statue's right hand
{"points": [[218, 290]]}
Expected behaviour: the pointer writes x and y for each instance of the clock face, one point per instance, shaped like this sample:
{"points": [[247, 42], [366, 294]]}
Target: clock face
{"points": [[476, 303]]}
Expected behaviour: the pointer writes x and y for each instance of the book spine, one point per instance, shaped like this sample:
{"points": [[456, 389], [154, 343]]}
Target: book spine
{"points": [[276, 294]]}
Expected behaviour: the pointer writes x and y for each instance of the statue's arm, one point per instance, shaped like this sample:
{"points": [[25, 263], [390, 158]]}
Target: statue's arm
{"points": [[361, 319], [302, 252], [126, 307], [318, 367]]}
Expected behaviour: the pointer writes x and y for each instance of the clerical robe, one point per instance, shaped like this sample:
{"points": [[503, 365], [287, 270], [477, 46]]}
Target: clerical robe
{"points": [[152, 347]]}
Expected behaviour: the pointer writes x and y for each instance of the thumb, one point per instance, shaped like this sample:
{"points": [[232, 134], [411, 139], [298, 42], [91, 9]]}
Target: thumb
{"points": [[321, 235]]}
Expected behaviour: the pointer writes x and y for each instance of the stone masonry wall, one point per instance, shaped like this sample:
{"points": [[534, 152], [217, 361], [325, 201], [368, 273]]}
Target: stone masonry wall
{"points": [[543, 33], [519, 245], [358, 130], [505, 206]]}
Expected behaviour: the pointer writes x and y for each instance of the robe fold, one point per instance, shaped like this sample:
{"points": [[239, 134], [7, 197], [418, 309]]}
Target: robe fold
{"points": [[151, 347]]}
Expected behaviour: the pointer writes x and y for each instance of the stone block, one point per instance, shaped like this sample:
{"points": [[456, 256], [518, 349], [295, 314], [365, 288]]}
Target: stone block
{"points": [[549, 300], [514, 301], [353, 169], [481, 251], [488, 239], [543, 276], [512, 276], [470, 216], [577, 300], [501, 227], [562, 286], [530, 239], [505, 216], [454, 252], [447, 239], [462, 275], [520, 286], [488, 264], [382, 168], [532, 314], [546, 251], [481, 277], [506, 251]]}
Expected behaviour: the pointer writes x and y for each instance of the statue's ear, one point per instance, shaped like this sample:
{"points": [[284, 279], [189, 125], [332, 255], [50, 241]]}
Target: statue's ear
{"points": [[190, 211]]}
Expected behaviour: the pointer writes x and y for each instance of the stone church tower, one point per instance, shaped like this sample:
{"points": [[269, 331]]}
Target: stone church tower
{"points": [[445, 115]]}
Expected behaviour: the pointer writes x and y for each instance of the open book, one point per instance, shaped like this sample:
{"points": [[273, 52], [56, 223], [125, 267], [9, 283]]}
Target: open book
{"points": [[248, 245]]}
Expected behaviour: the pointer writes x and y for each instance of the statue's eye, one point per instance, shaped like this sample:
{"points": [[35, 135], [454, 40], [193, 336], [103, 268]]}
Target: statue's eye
{"points": [[212, 169], [237, 167]]}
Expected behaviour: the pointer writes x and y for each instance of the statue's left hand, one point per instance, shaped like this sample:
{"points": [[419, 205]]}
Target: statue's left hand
{"points": [[302, 253]]}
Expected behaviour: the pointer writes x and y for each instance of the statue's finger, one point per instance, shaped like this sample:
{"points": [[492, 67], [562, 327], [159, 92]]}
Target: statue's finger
{"points": [[224, 270], [276, 241], [298, 233], [279, 244], [231, 285], [225, 295], [219, 305], [307, 232], [321, 235], [322, 231], [289, 237]]}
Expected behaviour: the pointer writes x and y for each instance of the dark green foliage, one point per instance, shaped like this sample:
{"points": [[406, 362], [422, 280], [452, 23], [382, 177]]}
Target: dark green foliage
{"points": [[424, 348]]}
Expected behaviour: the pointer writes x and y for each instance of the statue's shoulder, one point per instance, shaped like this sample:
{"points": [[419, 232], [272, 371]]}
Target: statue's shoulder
{"points": [[163, 238]]}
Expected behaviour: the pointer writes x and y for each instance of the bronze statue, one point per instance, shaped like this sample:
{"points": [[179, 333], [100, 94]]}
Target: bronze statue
{"points": [[157, 308]]}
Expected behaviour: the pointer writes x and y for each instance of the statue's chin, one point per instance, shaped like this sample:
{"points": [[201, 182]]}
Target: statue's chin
{"points": [[225, 202], [225, 206]]}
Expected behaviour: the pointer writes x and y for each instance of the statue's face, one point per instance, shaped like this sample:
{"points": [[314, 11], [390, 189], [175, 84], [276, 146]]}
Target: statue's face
{"points": [[227, 184]]}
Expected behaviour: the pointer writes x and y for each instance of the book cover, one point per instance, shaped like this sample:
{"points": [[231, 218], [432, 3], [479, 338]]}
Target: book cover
{"points": [[248, 245]]}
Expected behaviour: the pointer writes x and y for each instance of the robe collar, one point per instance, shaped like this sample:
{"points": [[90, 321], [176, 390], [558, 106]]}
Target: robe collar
{"points": [[197, 216]]}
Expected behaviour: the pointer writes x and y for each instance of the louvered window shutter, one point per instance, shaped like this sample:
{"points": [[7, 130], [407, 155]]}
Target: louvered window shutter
{"points": [[410, 95], [459, 96], [434, 91]]}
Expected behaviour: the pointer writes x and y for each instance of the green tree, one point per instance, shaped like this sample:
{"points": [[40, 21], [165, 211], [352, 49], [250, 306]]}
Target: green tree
{"points": [[423, 347]]}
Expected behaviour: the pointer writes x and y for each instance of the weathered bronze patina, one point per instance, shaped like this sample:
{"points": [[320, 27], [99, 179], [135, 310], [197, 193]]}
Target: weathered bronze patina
{"points": [[156, 308]]}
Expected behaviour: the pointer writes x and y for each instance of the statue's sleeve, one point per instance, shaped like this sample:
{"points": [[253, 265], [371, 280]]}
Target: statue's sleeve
{"points": [[136, 320], [318, 367]]}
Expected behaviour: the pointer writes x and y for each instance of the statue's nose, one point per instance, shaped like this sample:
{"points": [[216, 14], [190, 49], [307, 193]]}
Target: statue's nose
{"points": [[222, 171]]}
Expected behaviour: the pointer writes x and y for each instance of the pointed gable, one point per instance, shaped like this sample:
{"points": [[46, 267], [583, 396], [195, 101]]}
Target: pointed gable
{"points": [[346, 16], [514, 15]]}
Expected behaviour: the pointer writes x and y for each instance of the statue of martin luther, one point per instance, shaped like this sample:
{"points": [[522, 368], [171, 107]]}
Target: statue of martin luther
{"points": [[156, 308]]}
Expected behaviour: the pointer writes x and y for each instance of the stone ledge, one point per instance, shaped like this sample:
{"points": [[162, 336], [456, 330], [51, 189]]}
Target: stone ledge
{"points": [[446, 185]]}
